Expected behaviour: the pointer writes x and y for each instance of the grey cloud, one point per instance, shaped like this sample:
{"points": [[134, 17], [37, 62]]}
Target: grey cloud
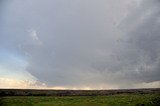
{"points": [[143, 43], [85, 43]]}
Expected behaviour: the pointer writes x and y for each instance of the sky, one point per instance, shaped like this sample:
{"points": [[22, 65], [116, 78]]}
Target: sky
{"points": [[79, 44]]}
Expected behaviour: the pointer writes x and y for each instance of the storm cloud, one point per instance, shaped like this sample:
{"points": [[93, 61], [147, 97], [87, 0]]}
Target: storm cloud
{"points": [[84, 43]]}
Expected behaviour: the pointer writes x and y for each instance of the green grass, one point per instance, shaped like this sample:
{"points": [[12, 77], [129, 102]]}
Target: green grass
{"points": [[114, 100]]}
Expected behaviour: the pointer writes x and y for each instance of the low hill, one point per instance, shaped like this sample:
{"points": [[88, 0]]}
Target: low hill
{"points": [[38, 92]]}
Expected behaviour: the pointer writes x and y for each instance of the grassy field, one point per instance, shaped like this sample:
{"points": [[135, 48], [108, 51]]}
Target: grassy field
{"points": [[110, 100]]}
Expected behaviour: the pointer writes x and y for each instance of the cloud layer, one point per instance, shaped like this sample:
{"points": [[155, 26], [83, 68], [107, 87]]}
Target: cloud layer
{"points": [[85, 43]]}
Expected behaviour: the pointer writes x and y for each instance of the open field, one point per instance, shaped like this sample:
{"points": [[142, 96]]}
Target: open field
{"points": [[114, 100], [131, 97]]}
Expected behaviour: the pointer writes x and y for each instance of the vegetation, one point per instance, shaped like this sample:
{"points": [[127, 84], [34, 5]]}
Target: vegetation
{"points": [[123, 97], [33, 92], [112, 100]]}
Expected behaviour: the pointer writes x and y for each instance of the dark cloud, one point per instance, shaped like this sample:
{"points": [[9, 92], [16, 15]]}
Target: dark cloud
{"points": [[85, 43], [141, 56]]}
